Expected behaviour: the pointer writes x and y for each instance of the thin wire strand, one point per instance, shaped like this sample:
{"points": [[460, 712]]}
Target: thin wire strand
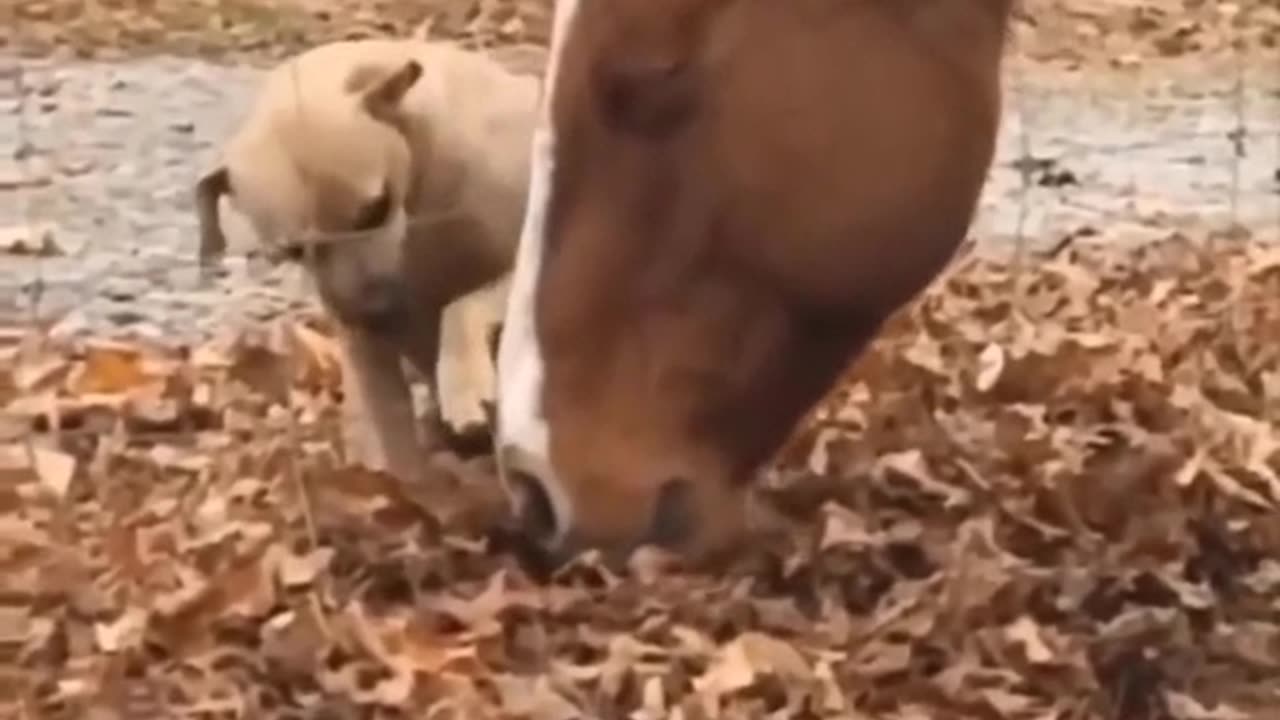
{"points": [[1025, 159], [1239, 134], [34, 288], [1276, 177], [22, 155]]}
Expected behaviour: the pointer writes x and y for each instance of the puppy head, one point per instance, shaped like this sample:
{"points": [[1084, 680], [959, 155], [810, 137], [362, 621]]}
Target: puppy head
{"points": [[329, 181]]}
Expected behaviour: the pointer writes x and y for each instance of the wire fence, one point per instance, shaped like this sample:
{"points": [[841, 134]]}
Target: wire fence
{"points": [[98, 233], [1137, 155]]}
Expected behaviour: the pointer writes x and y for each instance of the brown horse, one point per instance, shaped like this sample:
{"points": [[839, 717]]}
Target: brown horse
{"points": [[727, 199]]}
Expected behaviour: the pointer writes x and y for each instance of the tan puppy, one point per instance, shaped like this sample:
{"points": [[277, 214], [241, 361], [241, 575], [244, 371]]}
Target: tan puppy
{"points": [[395, 171]]}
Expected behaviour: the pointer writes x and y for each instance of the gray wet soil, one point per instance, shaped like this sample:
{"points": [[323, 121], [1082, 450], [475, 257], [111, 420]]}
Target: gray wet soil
{"points": [[102, 157]]}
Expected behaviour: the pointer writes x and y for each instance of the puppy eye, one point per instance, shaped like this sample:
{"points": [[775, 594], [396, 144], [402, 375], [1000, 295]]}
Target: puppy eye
{"points": [[304, 251], [292, 252], [374, 214]]}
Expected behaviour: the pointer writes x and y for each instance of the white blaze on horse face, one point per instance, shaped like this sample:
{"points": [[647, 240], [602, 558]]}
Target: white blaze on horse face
{"points": [[522, 431]]}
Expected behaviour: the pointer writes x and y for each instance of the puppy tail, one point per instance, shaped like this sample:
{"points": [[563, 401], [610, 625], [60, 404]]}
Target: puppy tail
{"points": [[209, 189]]}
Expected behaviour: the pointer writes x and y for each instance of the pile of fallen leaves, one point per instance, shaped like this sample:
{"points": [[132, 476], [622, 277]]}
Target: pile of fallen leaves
{"points": [[1077, 32], [1045, 493], [267, 29], [1125, 33]]}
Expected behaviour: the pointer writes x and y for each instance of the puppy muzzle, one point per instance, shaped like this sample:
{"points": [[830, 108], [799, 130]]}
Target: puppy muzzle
{"points": [[378, 305]]}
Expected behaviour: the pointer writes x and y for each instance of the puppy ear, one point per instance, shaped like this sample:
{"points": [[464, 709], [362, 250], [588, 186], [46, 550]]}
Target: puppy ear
{"points": [[380, 93], [208, 190]]}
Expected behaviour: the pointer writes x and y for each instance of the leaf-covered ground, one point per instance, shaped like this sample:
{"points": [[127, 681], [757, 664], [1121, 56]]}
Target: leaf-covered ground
{"points": [[1045, 493], [1084, 33]]}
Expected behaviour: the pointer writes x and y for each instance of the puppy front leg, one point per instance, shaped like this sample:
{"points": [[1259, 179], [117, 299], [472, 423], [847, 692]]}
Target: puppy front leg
{"points": [[465, 374], [422, 345], [378, 407]]}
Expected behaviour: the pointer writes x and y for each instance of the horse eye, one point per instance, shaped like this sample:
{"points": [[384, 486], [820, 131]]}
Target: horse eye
{"points": [[648, 100], [374, 214], [292, 252]]}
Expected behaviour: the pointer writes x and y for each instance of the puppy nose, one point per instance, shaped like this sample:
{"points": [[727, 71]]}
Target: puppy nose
{"points": [[380, 304]]}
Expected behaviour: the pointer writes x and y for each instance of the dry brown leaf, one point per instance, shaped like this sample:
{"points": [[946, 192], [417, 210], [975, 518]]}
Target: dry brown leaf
{"points": [[479, 614], [842, 527], [533, 698], [299, 570], [425, 651], [41, 374], [912, 465], [108, 369], [990, 365], [169, 457], [123, 633], [15, 625], [55, 469], [15, 464], [1008, 704], [1025, 632], [1185, 707], [880, 659], [926, 354], [738, 663]]}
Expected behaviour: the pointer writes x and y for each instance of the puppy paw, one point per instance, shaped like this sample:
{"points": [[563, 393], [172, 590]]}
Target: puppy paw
{"points": [[464, 422], [464, 407]]}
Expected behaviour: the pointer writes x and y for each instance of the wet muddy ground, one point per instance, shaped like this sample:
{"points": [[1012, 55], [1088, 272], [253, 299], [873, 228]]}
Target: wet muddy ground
{"points": [[106, 153]]}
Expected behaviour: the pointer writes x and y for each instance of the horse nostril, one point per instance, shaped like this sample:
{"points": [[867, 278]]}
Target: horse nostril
{"points": [[534, 511], [673, 513]]}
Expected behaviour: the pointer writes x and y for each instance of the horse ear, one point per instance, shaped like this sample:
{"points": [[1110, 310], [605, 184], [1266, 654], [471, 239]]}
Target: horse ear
{"points": [[381, 92]]}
